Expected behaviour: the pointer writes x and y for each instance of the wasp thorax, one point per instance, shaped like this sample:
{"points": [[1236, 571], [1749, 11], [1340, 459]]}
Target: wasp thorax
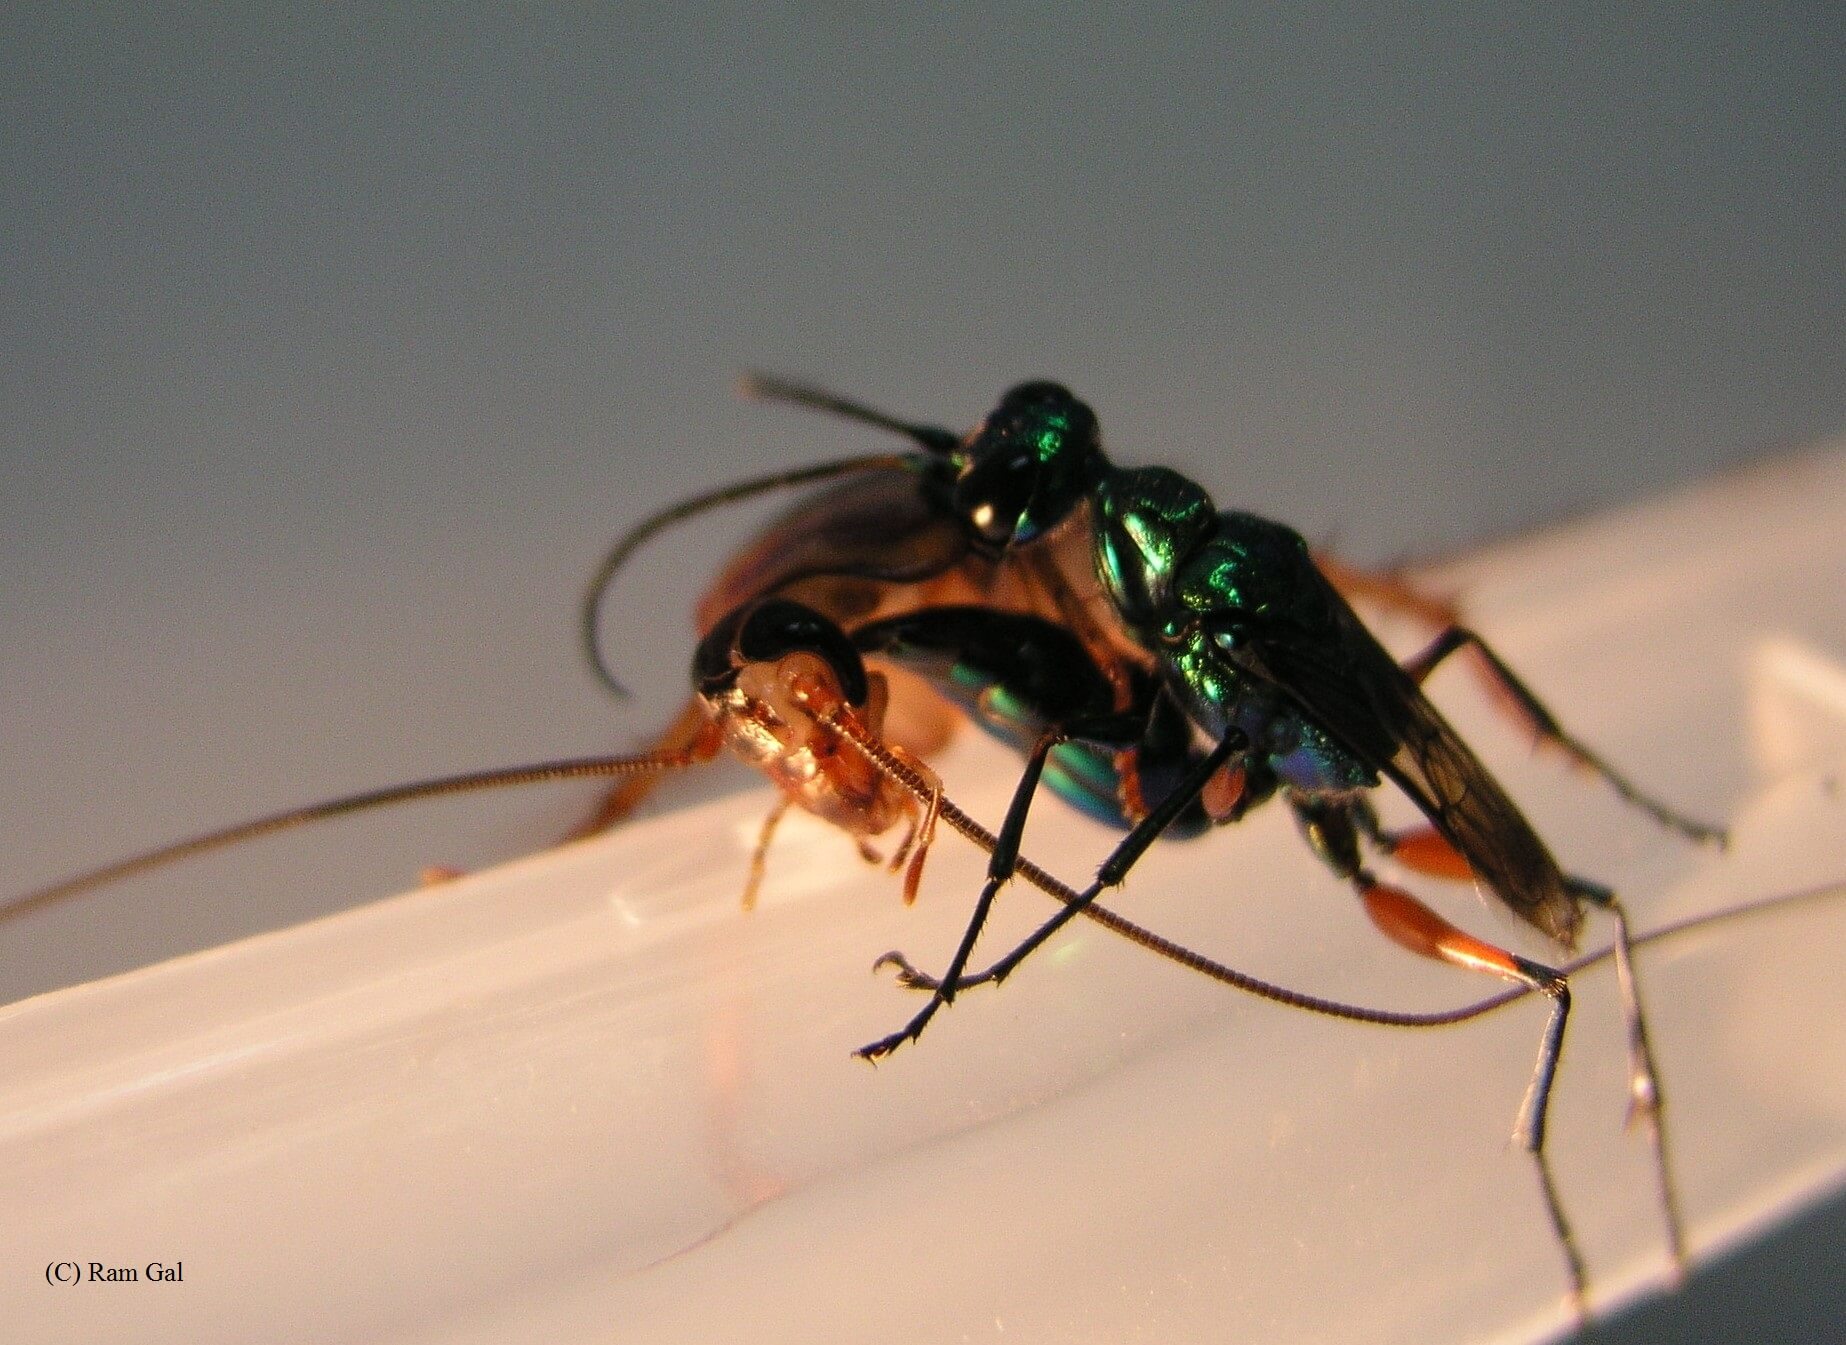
{"points": [[1149, 520]]}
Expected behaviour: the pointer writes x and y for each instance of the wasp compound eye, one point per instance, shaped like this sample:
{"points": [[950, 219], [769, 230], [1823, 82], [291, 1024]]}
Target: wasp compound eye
{"points": [[994, 497], [1029, 465]]}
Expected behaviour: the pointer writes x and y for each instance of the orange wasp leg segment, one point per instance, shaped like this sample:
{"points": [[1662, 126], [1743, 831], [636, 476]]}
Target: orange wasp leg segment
{"points": [[1410, 924], [1427, 851], [1646, 1101], [1424, 849]]}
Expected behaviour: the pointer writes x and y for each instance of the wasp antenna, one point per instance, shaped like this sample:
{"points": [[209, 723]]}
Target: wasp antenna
{"points": [[760, 387], [578, 768], [632, 541]]}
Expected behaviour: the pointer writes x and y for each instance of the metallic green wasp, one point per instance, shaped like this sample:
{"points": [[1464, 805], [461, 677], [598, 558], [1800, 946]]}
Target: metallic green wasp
{"points": [[1220, 666]]}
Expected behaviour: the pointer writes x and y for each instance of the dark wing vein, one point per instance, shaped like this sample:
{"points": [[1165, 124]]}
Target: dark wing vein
{"points": [[1323, 659]]}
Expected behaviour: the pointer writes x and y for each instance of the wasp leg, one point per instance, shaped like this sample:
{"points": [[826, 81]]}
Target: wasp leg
{"points": [[1545, 727], [1004, 858], [1332, 828], [1411, 924], [1385, 589], [1113, 870], [1027, 679], [1425, 850], [1001, 865], [1422, 849], [1646, 1101]]}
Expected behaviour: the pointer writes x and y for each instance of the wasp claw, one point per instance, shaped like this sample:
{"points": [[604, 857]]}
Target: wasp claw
{"points": [[907, 974], [881, 1048]]}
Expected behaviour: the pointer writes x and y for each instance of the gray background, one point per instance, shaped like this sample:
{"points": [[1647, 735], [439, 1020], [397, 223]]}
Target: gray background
{"points": [[337, 349]]}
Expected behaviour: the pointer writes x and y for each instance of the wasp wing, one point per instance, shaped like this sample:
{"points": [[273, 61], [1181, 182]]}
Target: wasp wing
{"points": [[1306, 642], [845, 551]]}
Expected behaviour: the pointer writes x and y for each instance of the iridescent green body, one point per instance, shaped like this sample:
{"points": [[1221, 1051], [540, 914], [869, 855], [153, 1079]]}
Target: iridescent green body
{"points": [[1247, 638], [1194, 633], [1164, 664], [1194, 585]]}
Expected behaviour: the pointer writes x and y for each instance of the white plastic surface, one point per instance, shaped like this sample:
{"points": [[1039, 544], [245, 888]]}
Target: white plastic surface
{"points": [[583, 1097]]}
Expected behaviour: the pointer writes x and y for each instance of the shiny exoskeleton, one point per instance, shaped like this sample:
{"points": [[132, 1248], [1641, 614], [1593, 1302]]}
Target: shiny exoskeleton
{"points": [[1164, 664], [1218, 664]]}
